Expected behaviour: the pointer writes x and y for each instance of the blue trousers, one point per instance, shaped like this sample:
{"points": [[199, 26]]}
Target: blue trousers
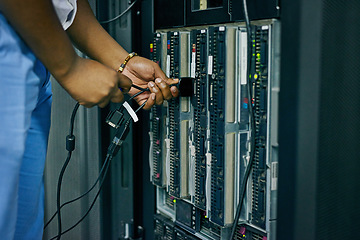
{"points": [[25, 105]]}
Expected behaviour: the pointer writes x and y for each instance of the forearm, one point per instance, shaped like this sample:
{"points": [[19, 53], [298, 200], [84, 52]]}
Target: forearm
{"points": [[37, 23], [89, 36]]}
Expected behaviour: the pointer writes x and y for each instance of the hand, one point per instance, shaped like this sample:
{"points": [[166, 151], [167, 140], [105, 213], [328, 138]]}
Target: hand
{"points": [[91, 83], [145, 73]]}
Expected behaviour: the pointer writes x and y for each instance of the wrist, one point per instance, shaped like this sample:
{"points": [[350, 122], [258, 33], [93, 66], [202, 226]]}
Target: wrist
{"points": [[61, 73], [65, 67], [125, 62]]}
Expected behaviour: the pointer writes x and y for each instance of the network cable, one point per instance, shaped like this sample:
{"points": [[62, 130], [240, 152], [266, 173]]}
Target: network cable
{"points": [[101, 173], [120, 15], [70, 146], [121, 133], [108, 160]]}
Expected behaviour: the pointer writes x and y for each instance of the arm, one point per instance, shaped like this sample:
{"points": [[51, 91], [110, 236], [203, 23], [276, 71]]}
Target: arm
{"points": [[92, 39], [86, 81]]}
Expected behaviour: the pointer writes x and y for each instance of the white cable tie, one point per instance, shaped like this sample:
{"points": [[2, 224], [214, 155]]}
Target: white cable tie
{"points": [[131, 111]]}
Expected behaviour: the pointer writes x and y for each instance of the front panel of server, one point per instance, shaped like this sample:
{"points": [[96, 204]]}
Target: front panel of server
{"points": [[201, 145], [199, 102], [158, 116]]}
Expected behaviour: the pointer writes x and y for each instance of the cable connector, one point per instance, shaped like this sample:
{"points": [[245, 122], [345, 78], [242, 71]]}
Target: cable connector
{"points": [[185, 86], [117, 117], [119, 138]]}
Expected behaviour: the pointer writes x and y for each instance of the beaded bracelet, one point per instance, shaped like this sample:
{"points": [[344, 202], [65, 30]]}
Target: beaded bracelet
{"points": [[122, 66]]}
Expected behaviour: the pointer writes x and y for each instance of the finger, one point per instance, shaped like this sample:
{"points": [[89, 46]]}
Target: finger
{"points": [[174, 90], [124, 82], [150, 102], [104, 103], [117, 96], [164, 88], [158, 95], [87, 105]]}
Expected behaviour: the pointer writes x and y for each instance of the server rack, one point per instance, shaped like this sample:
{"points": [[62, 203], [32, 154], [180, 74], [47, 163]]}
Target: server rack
{"points": [[217, 130]]}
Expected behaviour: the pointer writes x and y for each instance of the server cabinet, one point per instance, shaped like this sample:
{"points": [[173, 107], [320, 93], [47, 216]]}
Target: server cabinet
{"points": [[205, 140]]}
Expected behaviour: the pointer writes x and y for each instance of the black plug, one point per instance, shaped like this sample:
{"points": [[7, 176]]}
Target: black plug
{"points": [[115, 118], [185, 86], [119, 138]]}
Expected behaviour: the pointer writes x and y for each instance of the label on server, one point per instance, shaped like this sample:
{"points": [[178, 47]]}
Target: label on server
{"points": [[210, 65], [274, 176], [193, 64], [168, 65], [243, 58]]}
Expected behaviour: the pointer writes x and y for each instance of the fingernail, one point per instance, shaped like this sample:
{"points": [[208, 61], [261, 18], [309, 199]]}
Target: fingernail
{"points": [[153, 96], [158, 80], [174, 89], [151, 84]]}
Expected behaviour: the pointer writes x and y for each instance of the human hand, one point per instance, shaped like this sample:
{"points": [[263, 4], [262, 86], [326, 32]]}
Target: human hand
{"points": [[147, 74], [92, 83]]}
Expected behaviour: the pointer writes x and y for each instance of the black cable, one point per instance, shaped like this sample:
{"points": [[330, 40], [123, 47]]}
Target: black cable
{"points": [[59, 191], [144, 90], [72, 119], [140, 88], [70, 146], [142, 105], [136, 94], [112, 151], [242, 189], [120, 15], [81, 196], [108, 158]]}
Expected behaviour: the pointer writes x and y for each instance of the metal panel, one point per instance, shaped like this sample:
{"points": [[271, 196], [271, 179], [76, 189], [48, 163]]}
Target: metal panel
{"points": [[298, 119]]}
